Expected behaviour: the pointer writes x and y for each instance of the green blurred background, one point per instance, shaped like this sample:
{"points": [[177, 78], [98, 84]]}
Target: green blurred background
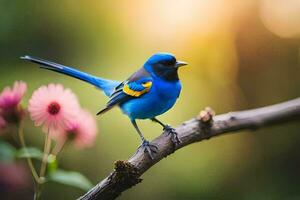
{"points": [[241, 54]]}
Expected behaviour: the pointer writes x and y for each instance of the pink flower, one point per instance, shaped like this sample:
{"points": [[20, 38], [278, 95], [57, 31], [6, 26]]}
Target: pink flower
{"points": [[10, 99], [82, 130], [53, 107]]}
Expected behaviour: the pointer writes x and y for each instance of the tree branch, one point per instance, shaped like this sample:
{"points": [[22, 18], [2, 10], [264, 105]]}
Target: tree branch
{"points": [[127, 173]]}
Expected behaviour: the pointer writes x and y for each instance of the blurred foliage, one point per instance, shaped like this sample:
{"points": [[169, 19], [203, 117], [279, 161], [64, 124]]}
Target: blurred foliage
{"points": [[241, 54], [70, 178], [29, 152], [7, 152]]}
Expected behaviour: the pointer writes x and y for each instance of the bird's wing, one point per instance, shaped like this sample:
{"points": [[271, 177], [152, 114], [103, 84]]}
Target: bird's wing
{"points": [[134, 87]]}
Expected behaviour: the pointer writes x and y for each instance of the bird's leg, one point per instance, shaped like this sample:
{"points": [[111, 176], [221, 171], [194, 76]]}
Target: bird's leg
{"points": [[148, 147], [169, 131]]}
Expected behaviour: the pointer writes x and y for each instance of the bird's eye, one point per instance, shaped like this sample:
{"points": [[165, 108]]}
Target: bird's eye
{"points": [[169, 62]]}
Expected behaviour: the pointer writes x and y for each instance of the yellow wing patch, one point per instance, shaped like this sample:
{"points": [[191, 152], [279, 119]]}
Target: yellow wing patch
{"points": [[134, 93]]}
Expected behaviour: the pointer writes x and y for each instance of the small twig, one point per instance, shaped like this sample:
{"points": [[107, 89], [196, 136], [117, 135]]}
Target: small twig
{"points": [[126, 173]]}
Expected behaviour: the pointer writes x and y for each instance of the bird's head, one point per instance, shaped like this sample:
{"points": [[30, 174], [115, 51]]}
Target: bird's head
{"points": [[164, 65]]}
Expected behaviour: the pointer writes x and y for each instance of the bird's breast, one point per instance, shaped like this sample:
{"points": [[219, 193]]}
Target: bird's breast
{"points": [[167, 90], [161, 97]]}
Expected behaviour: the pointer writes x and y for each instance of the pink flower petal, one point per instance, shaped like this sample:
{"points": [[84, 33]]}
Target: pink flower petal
{"points": [[11, 97], [82, 129], [53, 121]]}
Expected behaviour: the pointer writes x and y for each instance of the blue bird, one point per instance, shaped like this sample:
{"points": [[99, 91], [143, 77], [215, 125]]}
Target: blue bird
{"points": [[147, 93]]}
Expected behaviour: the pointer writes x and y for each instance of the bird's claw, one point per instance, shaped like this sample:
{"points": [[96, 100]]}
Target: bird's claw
{"points": [[169, 131], [149, 148]]}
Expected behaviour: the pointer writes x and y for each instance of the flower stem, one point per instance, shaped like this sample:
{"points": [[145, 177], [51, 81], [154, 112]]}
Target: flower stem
{"points": [[47, 148], [37, 193], [58, 147], [23, 144], [34, 174]]}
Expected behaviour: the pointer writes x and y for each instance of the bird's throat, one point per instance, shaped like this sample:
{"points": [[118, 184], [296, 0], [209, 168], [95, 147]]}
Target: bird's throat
{"points": [[168, 75]]}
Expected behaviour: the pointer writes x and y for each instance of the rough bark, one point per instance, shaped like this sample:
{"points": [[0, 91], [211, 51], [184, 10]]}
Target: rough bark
{"points": [[127, 173]]}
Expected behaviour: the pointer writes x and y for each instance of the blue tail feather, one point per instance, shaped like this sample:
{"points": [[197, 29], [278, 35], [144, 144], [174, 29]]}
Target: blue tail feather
{"points": [[106, 85]]}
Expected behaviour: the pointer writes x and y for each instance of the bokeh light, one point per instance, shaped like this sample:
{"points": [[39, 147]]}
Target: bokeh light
{"points": [[241, 54]]}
